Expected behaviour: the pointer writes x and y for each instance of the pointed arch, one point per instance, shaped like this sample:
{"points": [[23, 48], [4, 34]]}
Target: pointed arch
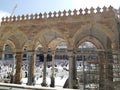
{"points": [[17, 37], [94, 40], [46, 36], [98, 30]]}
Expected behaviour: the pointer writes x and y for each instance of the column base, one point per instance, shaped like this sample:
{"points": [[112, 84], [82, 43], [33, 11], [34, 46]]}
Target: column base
{"points": [[66, 85], [31, 81], [52, 82], [17, 79], [75, 84], [44, 84], [101, 85], [17, 82], [12, 79]]}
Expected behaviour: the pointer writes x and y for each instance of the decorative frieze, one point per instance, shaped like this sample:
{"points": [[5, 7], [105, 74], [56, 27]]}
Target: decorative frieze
{"points": [[57, 14], [92, 10], [45, 15], [40, 15], [54, 14], [50, 14], [98, 9], [69, 13], [75, 12]]}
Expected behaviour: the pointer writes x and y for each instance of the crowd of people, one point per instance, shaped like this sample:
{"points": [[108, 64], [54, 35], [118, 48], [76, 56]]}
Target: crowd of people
{"points": [[6, 70], [61, 71]]}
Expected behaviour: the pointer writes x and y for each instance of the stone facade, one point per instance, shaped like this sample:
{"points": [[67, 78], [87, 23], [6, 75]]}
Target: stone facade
{"points": [[73, 27]]}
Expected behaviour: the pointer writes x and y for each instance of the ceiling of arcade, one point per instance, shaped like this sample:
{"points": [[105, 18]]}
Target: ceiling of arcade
{"points": [[50, 32]]}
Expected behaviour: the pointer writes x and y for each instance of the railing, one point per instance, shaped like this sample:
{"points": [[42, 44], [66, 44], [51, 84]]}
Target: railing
{"points": [[57, 14], [11, 86]]}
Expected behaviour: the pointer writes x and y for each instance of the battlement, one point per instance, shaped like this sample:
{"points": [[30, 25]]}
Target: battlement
{"points": [[59, 14]]}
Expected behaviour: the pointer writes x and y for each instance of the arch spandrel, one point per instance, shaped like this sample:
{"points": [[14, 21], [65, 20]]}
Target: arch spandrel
{"points": [[11, 44], [38, 45], [32, 45], [54, 43], [2, 42], [110, 34], [17, 37], [47, 35]]}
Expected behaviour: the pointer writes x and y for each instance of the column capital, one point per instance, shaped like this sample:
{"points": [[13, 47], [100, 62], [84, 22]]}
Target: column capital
{"points": [[53, 51], [14, 54], [45, 54], [45, 48], [72, 51], [19, 53], [70, 54], [30, 52], [101, 51]]}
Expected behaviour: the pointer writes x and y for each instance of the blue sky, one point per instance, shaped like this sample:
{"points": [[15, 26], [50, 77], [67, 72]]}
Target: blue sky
{"points": [[37, 6]]}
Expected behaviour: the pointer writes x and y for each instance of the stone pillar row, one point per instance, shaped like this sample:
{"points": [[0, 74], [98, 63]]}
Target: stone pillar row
{"points": [[105, 70], [72, 69], [109, 71], [52, 75], [31, 58], [44, 71], [102, 60], [18, 74]]}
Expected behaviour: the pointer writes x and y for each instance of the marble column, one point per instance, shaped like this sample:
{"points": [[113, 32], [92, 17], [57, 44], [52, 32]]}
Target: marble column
{"points": [[109, 66], [75, 81], [2, 48], [52, 74], [18, 74], [31, 59], [101, 70], [44, 70], [109, 70], [13, 67], [72, 70], [3, 53]]}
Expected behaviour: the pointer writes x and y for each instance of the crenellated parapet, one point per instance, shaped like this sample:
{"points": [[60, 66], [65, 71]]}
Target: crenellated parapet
{"points": [[58, 14]]}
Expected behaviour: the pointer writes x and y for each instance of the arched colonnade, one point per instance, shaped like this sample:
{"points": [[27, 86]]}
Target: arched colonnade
{"points": [[48, 33]]}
